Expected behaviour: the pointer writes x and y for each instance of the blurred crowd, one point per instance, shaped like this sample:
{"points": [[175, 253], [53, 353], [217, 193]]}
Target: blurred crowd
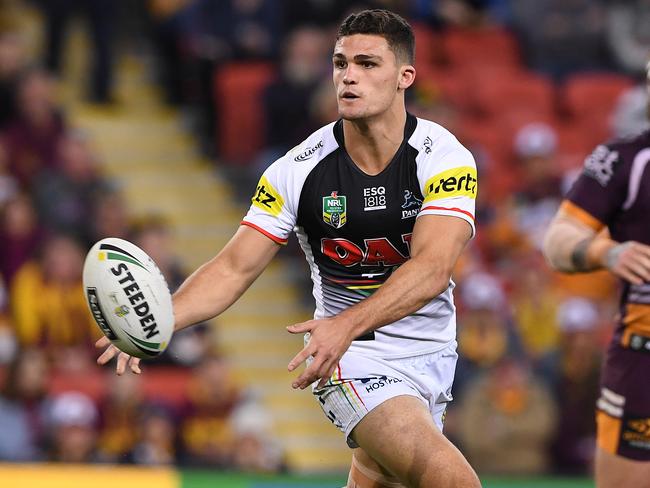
{"points": [[530, 86]]}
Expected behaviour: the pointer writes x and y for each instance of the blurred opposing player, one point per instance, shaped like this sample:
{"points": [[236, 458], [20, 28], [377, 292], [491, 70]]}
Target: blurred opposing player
{"points": [[613, 192], [382, 204]]}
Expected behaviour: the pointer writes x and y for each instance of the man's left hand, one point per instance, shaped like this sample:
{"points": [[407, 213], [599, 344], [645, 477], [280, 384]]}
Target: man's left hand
{"points": [[329, 339]]}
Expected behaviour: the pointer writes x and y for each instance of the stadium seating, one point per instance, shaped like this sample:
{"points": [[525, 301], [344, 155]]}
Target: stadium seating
{"points": [[238, 88], [589, 99], [493, 47]]}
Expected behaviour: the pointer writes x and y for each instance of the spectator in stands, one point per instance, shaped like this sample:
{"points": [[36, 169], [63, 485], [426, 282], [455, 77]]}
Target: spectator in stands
{"points": [[111, 216], [21, 235], [534, 302], [628, 34], [298, 13], [538, 192], [561, 37], [72, 423], [12, 60], [65, 196], [47, 298], [486, 333], [207, 433], [100, 15], [506, 419], [254, 449], [287, 100], [8, 345], [33, 137], [156, 438], [152, 234], [8, 183], [629, 117], [119, 412], [23, 406], [576, 385]]}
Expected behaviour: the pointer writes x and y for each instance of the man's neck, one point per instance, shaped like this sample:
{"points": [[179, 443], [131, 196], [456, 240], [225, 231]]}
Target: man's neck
{"points": [[372, 143]]}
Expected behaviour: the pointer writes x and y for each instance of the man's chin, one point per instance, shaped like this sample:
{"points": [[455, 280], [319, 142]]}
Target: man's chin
{"points": [[351, 115]]}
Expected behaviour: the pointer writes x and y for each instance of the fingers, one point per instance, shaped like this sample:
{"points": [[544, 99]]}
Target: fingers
{"points": [[102, 342], [300, 358], [630, 261], [110, 352], [301, 328], [318, 370], [324, 380], [135, 365], [123, 359]]}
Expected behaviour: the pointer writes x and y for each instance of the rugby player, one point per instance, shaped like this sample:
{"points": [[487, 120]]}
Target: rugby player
{"points": [[604, 223], [382, 204]]}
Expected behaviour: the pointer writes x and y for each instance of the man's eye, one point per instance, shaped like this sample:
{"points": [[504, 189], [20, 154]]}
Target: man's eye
{"points": [[339, 64], [367, 64]]}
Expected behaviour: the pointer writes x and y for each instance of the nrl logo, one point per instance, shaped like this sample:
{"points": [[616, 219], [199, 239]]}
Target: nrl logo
{"points": [[334, 210]]}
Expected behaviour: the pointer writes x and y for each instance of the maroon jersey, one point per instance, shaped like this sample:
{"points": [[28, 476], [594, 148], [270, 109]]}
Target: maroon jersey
{"points": [[613, 191]]}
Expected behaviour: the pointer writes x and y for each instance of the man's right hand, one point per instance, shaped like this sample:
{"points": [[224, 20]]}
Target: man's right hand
{"points": [[630, 261], [123, 359]]}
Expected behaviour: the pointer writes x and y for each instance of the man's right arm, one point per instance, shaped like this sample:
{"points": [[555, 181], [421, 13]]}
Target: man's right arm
{"points": [[211, 289], [217, 284]]}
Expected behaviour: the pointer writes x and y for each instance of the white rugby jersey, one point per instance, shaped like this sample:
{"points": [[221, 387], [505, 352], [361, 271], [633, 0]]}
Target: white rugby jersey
{"points": [[355, 229]]}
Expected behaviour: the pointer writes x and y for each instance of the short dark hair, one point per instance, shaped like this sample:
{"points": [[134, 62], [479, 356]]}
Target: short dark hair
{"points": [[392, 27]]}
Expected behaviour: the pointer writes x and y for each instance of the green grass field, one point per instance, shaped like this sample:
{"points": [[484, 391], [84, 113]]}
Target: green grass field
{"points": [[199, 479]]}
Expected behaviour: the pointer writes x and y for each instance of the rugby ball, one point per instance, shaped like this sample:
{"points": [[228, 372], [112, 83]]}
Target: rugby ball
{"points": [[128, 297]]}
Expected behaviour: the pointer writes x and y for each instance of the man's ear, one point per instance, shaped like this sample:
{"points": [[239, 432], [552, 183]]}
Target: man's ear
{"points": [[406, 77]]}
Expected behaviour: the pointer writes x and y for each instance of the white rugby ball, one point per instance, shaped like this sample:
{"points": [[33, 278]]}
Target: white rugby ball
{"points": [[128, 297]]}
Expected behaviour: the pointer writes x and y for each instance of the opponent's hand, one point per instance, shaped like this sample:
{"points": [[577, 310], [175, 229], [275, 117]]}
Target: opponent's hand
{"points": [[123, 359], [630, 261], [329, 339]]}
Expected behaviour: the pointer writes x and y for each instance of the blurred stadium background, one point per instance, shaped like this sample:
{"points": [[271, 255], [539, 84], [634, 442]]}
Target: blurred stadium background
{"points": [[152, 120]]}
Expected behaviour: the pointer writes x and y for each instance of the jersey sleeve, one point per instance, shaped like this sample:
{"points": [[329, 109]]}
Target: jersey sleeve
{"points": [[599, 192], [449, 184], [273, 210]]}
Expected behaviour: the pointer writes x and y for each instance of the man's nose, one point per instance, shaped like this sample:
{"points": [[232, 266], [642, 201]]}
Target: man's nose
{"points": [[350, 75]]}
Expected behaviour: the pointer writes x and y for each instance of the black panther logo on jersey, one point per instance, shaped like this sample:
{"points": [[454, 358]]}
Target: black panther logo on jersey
{"points": [[411, 205]]}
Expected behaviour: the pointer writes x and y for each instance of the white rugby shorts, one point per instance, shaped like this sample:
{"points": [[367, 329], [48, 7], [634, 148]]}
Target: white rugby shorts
{"points": [[360, 383]]}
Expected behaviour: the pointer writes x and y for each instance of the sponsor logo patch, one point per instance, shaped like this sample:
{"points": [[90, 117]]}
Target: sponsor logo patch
{"points": [[335, 210], [374, 198], [454, 182], [308, 153], [98, 315], [427, 145], [599, 165], [635, 433], [267, 198], [411, 205]]}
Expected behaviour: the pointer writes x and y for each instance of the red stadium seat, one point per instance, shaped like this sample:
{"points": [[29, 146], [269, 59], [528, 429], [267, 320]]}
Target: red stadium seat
{"points": [[160, 384], [506, 90], [481, 47], [589, 96], [428, 48], [447, 83], [239, 87]]}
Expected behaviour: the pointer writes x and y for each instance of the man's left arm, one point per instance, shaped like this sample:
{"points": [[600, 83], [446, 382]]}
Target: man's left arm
{"points": [[436, 244]]}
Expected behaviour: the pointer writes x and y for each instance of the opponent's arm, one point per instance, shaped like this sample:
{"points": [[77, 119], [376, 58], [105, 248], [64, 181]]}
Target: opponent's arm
{"points": [[573, 247], [436, 244], [211, 289]]}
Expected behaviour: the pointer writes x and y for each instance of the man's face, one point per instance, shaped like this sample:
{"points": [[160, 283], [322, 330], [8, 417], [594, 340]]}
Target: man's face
{"points": [[366, 76]]}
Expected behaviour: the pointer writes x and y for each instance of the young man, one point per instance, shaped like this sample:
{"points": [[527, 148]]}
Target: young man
{"points": [[382, 204], [613, 192]]}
